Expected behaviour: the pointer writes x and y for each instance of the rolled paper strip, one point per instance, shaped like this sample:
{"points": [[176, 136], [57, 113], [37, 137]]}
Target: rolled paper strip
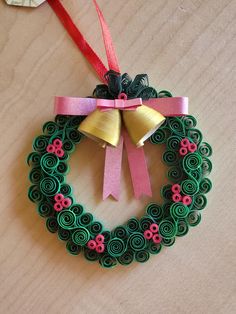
{"points": [[95, 228], [189, 122], [185, 142], [91, 255], [133, 225], [176, 125], [66, 219], [64, 234], [126, 258], [194, 218], [100, 248], [183, 151], [35, 175], [154, 248], [35, 194], [58, 206], [176, 197], [155, 211], [170, 157], [108, 261], [66, 189], [74, 135], [50, 148], [167, 228], [173, 142], [100, 238], [178, 210], [65, 157], [61, 120], [92, 244], [68, 146], [137, 241], [80, 236], [205, 185], [50, 128], [34, 159], [57, 143], [206, 166], [187, 200], [73, 248], [166, 208], [154, 228], [158, 137], [189, 187], [164, 93], [63, 168], [58, 197], [75, 121], [85, 219], [197, 174], [116, 247], [51, 224], [59, 152], [205, 150], [148, 234], [195, 135], [176, 188], [192, 162], [156, 238], [49, 186], [145, 222], [45, 209], [40, 143], [168, 242], [121, 232], [199, 202], [49, 162], [192, 147], [66, 202], [166, 192], [182, 228], [142, 256], [107, 236], [78, 209]]}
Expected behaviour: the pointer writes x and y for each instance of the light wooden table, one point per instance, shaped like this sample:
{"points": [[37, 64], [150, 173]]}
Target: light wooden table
{"points": [[185, 46]]}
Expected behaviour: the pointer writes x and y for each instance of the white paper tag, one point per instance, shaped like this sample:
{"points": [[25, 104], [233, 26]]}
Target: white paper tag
{"points": [[25, 3]]}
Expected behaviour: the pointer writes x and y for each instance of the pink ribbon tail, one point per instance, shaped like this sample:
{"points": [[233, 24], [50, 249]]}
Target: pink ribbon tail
{"points": [[112, 171], [138, 168]]}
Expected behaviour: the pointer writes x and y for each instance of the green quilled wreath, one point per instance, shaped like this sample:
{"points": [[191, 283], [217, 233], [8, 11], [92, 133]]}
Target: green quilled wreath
{"points": [[186, 155]]}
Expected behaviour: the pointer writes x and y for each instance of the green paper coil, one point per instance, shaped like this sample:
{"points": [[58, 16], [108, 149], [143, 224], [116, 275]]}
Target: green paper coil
{"points": [[45, 209], [182, 228], [62, 168], [64, 234], [205, 150], [170, 157], [205, 186], [68, 146], [189, 187], [66, 189], [77, 209], [107, 236], [61, 120], [189, 122], [166, 192], [137, 241], [95, 227], [192, 162], [158, 137], [51, 224], [34, 194], [154, 248], [35, 175], [40, 143], [50, 128], [173, 142], [80, 236], [206, 166], [120, 232], [175, 174], [133, 225], [108, 261], [49, 186], [126, 258], [166, 209], [194, 218], [155, 211], [167, 229], [168, 242], [49, 162], [73, 248], [73, 135], [66, 219], [197, 174], [176, 125], [85, 219], [145, 222], [195, 135], [142, 256], [179, 210], [91, 255], [116, 247], [34, 159], [199, 202]]}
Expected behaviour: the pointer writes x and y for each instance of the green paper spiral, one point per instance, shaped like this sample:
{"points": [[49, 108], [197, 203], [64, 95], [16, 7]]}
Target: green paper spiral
{"points": [[61, 120], [51, 224], [189, 187], [80, 236], [49, 186], [167, 229], [194, 218], [173, 142], [85, 219], [199, 202], [91, 255], [189, 122], [66, 189], [158, 137], [142, 256], [155, 211], [66, 219], [195, 135], [78, 209], [49, 162], [197, 174], [175, 174], [154, 248], [34, 159], [133, 225], [95, 227], [206, 166], [73, 135], [145, 222], [166, 192], [35, 175], [120, 232], [168, 242], [164, 93], [179, 210], [50, 128], [116, 247], [75, 121], [45, 209], [40, 143], [35, 195], [107, 236], [182, 228], [68, 146], [73, 248], [64, 234], [137, 241], [62, 168], [126, 258], [176, 125], [170, 157], [205, 185], [205, 150], [108, 261], [166, 209], [192, 162]]}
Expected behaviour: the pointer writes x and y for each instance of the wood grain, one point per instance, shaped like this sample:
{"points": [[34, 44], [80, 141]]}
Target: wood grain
{"points": [[185, 46]]}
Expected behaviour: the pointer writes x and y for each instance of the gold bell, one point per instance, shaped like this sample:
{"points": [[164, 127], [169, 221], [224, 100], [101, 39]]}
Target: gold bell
{"points": [[102, 126], [142, 123]]}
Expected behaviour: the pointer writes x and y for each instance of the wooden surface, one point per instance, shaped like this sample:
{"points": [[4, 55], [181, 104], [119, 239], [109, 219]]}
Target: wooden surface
{"points": [[185, 46]]}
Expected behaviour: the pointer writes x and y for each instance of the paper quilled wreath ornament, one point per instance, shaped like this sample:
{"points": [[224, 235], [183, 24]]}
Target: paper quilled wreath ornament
{"points": [[122, 113]]}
